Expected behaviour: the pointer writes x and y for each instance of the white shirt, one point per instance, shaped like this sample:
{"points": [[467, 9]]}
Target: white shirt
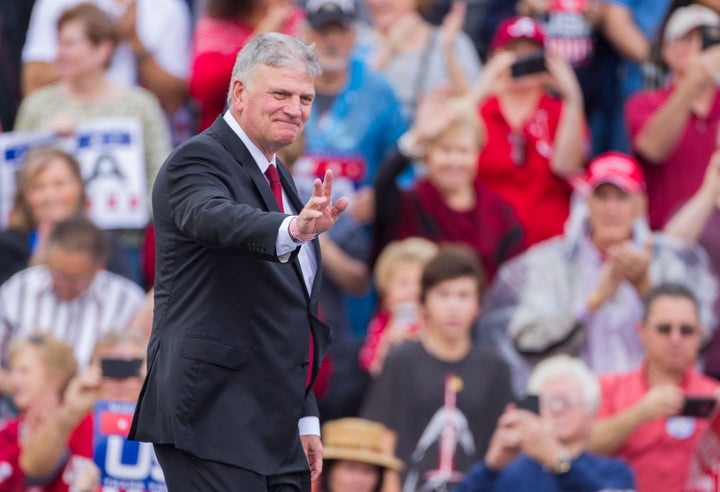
{"points": [[284, 245], [28, 304], [164, 27]]}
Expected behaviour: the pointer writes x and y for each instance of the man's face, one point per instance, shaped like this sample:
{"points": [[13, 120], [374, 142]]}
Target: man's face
{"points": [[561, 401], [612, 212], [671, 334], [451, 307], [274, 107], [333, 44], [72, 272]]}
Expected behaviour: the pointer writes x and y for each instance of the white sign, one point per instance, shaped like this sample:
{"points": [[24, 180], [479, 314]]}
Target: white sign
{"points": [[112, 161]]}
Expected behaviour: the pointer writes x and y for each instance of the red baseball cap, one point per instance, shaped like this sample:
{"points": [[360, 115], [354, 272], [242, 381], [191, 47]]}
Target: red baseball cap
{"points": [[615, 168], [517, 28]]}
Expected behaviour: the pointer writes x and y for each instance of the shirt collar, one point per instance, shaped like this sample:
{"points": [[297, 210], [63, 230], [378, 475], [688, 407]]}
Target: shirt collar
{"points": [[255, 152]]}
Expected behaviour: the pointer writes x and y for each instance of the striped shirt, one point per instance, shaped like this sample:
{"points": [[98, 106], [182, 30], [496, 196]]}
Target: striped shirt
{"points": [[28, 304]]}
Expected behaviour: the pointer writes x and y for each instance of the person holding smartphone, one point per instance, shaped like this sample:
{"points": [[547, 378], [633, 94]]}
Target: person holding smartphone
{"points": [[547, 450], [115, 374], [531, 107], [646, 415]]}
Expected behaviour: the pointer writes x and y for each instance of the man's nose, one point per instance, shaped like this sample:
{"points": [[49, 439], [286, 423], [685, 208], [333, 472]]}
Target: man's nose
{"points": [[294, 106]]}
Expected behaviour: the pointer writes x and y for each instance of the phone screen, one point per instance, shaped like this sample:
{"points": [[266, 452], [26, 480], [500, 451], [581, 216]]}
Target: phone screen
{"points": [[121, 368], [530, 403], [528, 65], [698, 406]]}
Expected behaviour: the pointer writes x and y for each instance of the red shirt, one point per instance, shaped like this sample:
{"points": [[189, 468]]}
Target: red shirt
{"points": [[516, 166], [672, 182], [215, 46], [659, 452], [11, 476]]}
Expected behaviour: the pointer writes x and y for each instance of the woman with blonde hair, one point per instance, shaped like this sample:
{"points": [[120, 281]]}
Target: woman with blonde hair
{"points": [[49, 190]]}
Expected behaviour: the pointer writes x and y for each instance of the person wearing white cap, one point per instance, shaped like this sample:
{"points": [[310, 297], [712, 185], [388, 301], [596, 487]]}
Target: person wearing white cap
{"points": [[673, 129]]}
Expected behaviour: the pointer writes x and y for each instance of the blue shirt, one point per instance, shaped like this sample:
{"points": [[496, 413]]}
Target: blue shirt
{"points": [[588, 473]]}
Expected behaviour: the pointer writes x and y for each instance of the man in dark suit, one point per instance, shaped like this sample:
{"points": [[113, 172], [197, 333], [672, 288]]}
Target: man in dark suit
{"points": [[227, 400]]}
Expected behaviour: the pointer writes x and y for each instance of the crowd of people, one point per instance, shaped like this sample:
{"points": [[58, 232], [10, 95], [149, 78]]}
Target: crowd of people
{"points": [[523, 289]]}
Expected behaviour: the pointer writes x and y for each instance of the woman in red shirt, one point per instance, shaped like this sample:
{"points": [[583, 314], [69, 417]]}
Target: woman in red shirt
{"points": [[535, 139]]}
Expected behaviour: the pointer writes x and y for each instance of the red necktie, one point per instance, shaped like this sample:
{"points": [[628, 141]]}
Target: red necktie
{"points": [[272, 175], [275, 185]]}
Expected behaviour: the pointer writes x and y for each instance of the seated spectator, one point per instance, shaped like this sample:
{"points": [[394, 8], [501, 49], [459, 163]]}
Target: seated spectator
{"points": [[640, 411], [442, 395], [535, 140], [218, 36], [445, 205], [354, 456], [582, 293], [46, 448], [71, 295], [49, 189], [548, 451], [674, 129], [416, 56], [152, 51], [40, 368], [398, 271]]}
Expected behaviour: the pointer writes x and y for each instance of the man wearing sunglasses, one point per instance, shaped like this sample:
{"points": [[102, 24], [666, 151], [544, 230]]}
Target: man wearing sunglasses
{"points": [[644, 416]]}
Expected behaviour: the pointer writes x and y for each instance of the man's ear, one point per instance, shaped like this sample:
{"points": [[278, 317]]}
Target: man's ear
{"points": [[237, 91]]}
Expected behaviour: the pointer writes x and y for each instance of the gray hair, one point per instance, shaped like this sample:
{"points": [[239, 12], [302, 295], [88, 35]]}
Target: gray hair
{"points": [[275, 50], [561, 366]]}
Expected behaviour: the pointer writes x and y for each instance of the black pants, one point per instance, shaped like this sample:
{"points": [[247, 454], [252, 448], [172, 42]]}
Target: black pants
{"points": [[187, 473]]}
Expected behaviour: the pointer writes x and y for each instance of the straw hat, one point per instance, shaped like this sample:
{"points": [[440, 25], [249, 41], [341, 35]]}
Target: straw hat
{"points": [[358, 440]]}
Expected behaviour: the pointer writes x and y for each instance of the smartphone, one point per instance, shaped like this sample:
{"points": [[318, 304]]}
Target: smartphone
{"points": [[121, 368], [530, 64], [710, 36], [530, 403], [698, 406]]}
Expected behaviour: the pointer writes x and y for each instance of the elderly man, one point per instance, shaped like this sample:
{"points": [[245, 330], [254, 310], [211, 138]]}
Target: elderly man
{"points": [[640, 415], [71, 296], [236, 342], [547, 452], [581, 293]]}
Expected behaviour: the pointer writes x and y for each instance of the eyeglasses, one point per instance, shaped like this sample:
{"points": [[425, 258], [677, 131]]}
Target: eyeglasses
{"points": [[685, 330], [559, 402]]}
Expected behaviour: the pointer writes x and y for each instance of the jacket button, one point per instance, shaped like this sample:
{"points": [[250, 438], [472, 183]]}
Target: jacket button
{"points": [[305, 364]]}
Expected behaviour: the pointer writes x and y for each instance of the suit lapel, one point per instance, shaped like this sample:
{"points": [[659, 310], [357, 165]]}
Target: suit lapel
{"points": [[242, 155]]}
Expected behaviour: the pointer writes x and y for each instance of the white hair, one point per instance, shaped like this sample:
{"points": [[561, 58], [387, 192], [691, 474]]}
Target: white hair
{"points": [[563, 366], [273, 49]]}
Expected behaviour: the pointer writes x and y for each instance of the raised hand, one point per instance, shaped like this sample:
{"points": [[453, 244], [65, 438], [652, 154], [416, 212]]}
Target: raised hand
{"points": [[319, 214]]}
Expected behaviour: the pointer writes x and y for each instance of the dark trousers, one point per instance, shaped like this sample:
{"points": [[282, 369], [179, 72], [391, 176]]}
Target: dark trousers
{"points": [[187, 473]]}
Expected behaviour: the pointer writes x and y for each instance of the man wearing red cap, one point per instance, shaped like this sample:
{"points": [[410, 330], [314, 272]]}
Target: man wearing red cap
{"points": [[581, 293]]}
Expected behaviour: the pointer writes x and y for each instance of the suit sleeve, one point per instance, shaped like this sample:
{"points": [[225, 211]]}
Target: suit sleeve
{"points": [[204, 208]]}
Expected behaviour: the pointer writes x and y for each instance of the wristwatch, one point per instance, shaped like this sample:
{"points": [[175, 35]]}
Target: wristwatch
{"points": [[562, 463]]}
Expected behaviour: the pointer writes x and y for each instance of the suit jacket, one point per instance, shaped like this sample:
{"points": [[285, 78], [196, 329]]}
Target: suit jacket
{"points": [[228, 354]]}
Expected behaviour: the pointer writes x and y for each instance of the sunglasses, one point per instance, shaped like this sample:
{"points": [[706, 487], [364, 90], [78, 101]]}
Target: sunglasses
{"points": [[685, 330]]}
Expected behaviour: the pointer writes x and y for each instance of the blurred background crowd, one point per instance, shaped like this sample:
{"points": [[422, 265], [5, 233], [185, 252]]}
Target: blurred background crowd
{"points": [[534, 190]]}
